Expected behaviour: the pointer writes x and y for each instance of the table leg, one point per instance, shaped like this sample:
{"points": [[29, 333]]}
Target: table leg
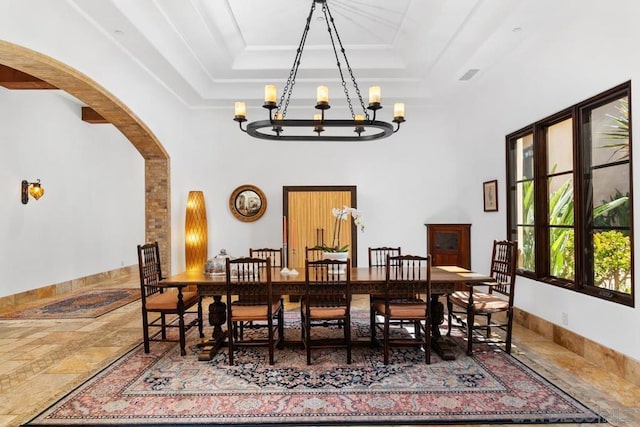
{"points": [[444, 347], [217, 318]]}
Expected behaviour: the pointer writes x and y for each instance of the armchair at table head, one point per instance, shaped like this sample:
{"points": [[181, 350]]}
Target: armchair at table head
{"points": [[163, 301], [467, 306]]}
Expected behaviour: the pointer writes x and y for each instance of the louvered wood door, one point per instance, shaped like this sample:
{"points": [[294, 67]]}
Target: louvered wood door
{"points": [[310, 222]]}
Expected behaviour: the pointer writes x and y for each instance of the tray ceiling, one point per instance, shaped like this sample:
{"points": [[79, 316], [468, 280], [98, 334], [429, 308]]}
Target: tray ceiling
{"points": [[212, 52]]}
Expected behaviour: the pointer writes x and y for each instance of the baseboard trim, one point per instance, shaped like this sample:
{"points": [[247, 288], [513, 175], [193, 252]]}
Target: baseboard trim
{"points": [[605, 357], [119, 275]]}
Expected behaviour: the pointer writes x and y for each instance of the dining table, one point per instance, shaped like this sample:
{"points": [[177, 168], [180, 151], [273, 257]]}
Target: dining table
{"points": [[364, 280]]}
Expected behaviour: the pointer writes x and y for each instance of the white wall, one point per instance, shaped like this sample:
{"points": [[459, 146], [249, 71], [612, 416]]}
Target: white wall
{"points": [[92, 212], [572, 60], [399, 180]]}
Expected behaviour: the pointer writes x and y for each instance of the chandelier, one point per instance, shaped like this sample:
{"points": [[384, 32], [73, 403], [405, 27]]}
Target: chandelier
{"points": [[364, 125]]}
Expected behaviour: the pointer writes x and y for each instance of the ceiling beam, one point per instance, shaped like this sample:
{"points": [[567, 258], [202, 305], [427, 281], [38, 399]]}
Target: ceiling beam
{"points": [[90, 115], [14, 79]]}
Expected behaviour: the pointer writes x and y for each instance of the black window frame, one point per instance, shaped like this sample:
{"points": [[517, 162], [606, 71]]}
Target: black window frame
{"points": [[582, 201]]}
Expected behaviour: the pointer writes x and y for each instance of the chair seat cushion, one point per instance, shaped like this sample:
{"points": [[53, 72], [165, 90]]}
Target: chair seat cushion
{"points": [[254, 299], [481, 301], [327, 313], [248, 312], [402, 309], [168, 300]]}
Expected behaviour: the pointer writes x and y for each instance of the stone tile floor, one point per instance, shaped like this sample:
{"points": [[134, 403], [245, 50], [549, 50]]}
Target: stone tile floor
{"points": [[41, 360]]}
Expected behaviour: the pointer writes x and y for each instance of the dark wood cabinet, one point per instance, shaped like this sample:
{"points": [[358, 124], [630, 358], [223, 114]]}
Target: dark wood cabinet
{"points": [[449, 244]]}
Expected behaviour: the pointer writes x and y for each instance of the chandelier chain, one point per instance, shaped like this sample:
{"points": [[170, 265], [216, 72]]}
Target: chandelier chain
{"points": [[326, 10], [291, 80]]}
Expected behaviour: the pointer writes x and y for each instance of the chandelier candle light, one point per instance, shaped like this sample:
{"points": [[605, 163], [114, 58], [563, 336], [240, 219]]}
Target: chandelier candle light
{"points": [[360, 123]]}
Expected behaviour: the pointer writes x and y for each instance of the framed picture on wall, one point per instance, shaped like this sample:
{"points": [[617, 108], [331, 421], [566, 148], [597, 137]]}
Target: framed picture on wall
{"points": [[247, 203], [490, 192]]}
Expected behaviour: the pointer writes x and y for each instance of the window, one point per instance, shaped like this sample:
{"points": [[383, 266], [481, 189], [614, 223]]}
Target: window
{"points": [[569, 199]]}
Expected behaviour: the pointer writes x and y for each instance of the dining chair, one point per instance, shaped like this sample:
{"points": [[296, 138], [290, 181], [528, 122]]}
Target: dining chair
{"points": [[277, 261], [276, 255], [407, 298], [378, 258], [326, 303], [159, 302], [251, 278], [313, 254], [467, 306]]}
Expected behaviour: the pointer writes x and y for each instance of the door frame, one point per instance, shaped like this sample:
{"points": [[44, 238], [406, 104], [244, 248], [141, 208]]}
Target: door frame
{"points": [[286, 189]]}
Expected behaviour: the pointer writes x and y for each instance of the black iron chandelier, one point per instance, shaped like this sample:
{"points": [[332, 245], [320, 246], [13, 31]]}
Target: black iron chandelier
{"points": [[364, 126]]}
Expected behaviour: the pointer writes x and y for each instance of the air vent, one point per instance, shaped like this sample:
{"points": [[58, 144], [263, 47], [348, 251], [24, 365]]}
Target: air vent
{"points": [[469, 74]]}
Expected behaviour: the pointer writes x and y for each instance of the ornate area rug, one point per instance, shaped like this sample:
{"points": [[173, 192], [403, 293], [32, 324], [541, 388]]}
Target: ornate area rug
{"points": [[163, 388], [88, 304]]}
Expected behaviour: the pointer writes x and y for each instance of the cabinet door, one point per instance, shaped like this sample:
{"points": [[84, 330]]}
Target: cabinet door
{"points": [[449, 244]]}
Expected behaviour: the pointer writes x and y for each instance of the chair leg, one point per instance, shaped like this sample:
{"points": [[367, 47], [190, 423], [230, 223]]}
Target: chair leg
{"points": [[347, 337], [200, 325], [372, 321], [281, 326], [230, 338], [449, 315], [163, 322], [385, 336], [307, 334], [508, 331], [145, 331], [488, 325], [183, 343], [303, 321], [470, 322], [271, 340], [427, 340]]}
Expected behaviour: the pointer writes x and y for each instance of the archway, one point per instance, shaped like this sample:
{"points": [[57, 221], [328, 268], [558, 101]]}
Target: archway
{"points": [[157, 162]]}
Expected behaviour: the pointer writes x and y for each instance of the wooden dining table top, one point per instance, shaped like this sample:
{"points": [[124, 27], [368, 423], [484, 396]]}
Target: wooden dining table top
{"points": [[364, 280]]}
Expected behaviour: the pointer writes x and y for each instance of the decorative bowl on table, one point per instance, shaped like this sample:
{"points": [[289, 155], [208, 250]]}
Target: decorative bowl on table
{"points": [[217, 265]]}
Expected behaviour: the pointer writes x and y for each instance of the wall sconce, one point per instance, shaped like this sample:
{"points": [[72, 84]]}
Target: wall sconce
{"points": [[31, 188], [195, 232]]}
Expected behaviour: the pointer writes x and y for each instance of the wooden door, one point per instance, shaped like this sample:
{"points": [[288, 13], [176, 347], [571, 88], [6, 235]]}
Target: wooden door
{"points": [[310, 222]]}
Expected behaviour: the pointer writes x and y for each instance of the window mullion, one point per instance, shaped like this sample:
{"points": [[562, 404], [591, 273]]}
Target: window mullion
{"points": [[582, 190], [541, 204]]}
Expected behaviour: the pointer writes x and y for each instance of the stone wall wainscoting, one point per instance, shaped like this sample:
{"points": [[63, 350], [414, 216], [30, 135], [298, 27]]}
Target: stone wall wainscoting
{"points": [[119, 275], [606, 358]]}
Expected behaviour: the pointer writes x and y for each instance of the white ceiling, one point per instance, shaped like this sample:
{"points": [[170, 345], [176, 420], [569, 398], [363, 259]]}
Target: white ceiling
{"points": [[213, 52]]}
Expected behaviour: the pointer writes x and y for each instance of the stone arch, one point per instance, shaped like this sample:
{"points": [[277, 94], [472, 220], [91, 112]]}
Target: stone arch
{"points": [[156, 159]]}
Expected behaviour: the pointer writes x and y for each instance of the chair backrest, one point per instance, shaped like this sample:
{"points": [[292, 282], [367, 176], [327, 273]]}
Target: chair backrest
{"points": [[408, 277], [378, 256], [149, 269], [274, 253], [312, 254], [249, 277], [324, 285], [503, 267]]}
